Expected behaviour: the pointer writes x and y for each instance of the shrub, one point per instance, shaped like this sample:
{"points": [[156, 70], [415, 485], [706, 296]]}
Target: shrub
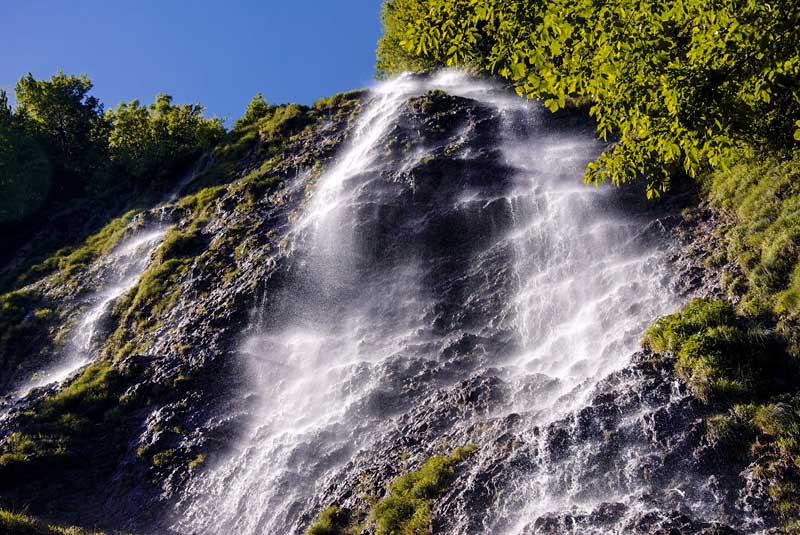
{"points": [[256, 109], [24, 169], [154, 142], [671, 81], [284, 121]]}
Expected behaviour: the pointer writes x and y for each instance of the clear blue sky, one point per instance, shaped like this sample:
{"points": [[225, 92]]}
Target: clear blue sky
{"points": [[219, 53]]}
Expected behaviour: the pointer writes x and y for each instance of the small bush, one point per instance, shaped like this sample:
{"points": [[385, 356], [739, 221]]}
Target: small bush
{"points": [[284, 121]]}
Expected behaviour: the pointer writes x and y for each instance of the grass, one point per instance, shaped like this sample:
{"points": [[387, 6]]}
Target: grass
{"points": [[406, 509], [70, 260], [90, 395], [200, 200], [77, 413], [744, 360], [331, 521], [20, 524], [762, 198], [721, 355], [340, 100], [78, 434]]}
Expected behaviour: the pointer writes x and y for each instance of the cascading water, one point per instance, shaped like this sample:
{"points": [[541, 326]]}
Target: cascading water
{"points": [[120, 271], [430, 253]]}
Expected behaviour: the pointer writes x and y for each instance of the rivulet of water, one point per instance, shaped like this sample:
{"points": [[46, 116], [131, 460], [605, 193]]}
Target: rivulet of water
{"points": [[122, 267]]}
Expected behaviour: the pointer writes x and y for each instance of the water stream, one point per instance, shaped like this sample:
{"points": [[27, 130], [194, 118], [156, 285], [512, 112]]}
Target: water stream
{"points": [[121, 270]]}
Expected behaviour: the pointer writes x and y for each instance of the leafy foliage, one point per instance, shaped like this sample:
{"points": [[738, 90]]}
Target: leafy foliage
{"points": [[70, 125], [25, 171], [256, 109], [154, 142], [62, 159], [679, 84], [393, 56]]}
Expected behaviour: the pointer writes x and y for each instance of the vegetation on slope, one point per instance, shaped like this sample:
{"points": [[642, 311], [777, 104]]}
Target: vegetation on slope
{"points": [[19, 524], [405, 510], [722, 356], [63, 159], [679, 85], [68, 443]]}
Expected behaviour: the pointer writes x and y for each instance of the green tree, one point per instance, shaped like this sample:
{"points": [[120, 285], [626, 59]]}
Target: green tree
{"points": [[393, 57], [256, 109], [69, 122], [150, 143], [24, 168], [678, 84]]}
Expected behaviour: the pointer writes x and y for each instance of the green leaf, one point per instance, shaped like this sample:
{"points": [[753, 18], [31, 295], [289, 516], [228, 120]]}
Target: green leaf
{"points": [[551, 104], [518, 71]]}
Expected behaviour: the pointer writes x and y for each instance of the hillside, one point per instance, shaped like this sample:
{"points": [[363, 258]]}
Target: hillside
{"points": [[399, 310]]}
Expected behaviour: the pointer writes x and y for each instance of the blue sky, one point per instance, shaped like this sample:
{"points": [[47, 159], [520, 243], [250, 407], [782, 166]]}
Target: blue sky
{"points": [[218, 53]]}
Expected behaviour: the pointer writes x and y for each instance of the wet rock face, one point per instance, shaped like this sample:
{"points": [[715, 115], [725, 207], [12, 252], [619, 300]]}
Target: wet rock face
{"points": [[640, 436]]}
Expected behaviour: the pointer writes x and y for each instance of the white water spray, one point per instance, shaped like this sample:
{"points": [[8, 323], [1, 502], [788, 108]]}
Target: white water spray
{"points": [[340, 344]]}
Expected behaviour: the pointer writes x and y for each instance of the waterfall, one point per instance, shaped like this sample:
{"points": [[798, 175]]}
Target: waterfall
{"points": [[413, 246], [121, 270]]}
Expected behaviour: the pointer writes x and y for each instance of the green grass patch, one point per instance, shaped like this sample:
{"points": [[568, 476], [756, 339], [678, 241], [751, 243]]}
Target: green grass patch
{"points": [[762, 196], [200, 200], [346, 99], [331, 521], [406, 510], [70, 260], [20, 524], [721, 355]]}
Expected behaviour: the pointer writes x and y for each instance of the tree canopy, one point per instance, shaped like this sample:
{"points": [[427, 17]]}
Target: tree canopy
{"points": [[256, 109], [152, 141], [68, 122], [24, 167], [59, 144], [680, 84]]}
